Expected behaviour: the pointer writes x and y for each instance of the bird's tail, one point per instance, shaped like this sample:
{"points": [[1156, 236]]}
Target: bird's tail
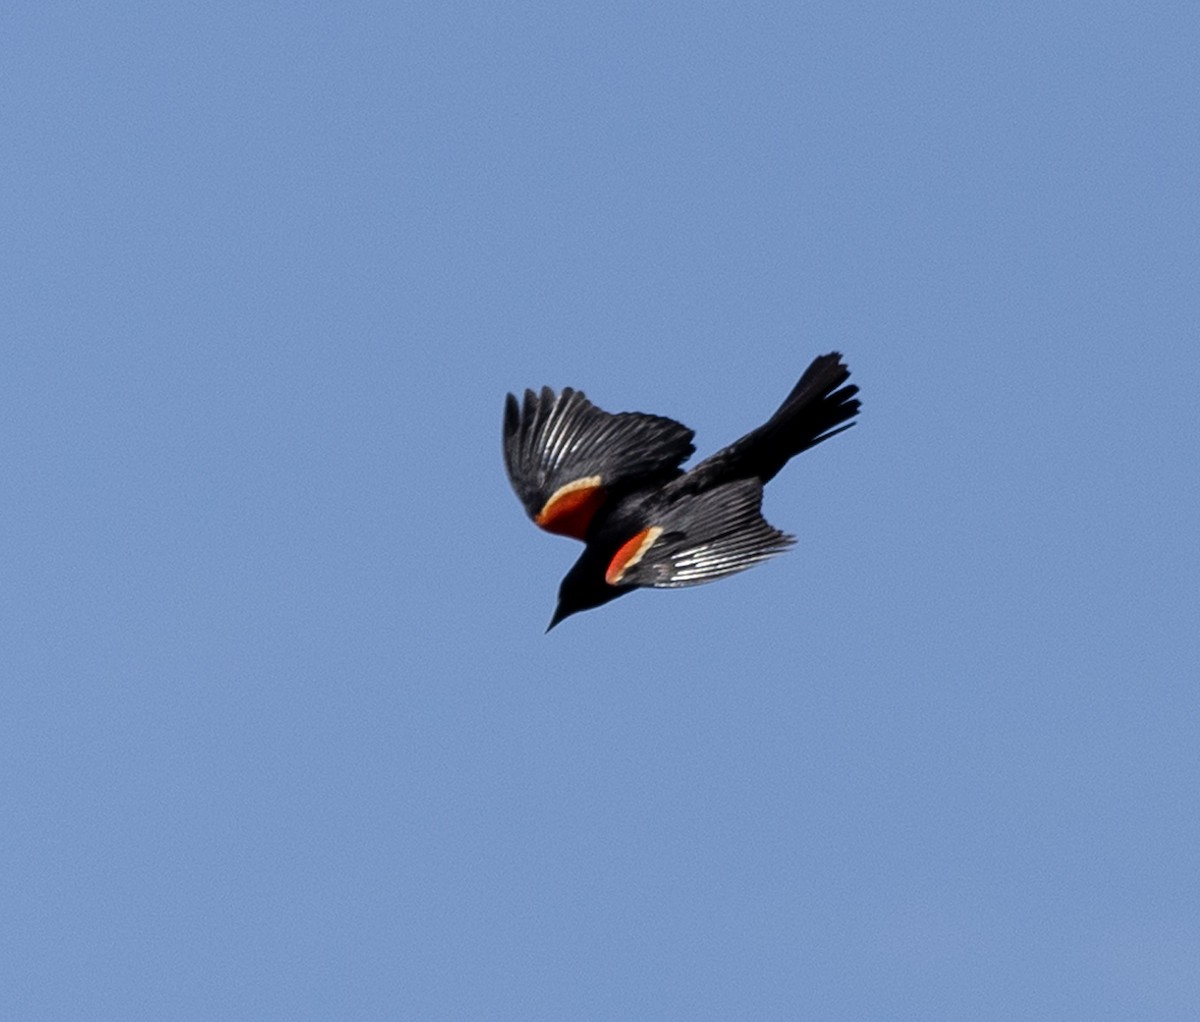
{"points": [[818, 407]]}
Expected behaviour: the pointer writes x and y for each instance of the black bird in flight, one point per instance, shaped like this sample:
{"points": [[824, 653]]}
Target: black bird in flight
{"points": [[615, 482]]}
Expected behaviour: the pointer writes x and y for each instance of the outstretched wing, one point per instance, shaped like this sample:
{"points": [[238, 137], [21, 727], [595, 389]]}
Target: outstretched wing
{"points": [[700, 538], [564, 455]]}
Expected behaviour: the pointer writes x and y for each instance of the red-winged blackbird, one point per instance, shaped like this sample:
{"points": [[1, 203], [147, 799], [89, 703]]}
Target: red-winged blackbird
{"points": [[614, 482]]}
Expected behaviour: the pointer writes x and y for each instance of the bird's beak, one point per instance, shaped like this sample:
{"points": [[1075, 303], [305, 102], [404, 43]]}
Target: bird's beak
{"points": [[558, 616]]}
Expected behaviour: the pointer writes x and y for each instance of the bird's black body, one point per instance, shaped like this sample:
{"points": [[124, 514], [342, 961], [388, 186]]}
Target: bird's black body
{"points": [[615, 482]]}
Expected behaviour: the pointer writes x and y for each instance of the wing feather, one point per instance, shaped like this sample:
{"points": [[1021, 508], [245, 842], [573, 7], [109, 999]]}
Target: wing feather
{"points": [[708, 536], [553, 440]]}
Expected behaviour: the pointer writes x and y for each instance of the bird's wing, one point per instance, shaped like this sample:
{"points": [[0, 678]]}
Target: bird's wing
{"points": [[564, 455], [700, 538]]}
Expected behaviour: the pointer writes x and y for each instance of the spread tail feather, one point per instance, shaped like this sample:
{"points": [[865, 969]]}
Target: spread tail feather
{"points": [[818, 408]]}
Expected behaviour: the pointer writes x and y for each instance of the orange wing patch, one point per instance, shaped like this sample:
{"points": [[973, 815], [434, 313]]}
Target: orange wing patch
{"points": [[630, 553], [569, 510]]}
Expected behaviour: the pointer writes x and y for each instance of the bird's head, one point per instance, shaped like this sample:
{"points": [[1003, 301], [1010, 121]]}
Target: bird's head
{"points": [[582, 588]]}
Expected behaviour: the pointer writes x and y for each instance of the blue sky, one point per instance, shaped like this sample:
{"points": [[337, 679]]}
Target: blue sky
{"points": [[281, 736]]}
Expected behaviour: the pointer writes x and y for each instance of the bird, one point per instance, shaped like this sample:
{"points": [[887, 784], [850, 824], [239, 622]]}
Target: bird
{"points": [[615, 482]]}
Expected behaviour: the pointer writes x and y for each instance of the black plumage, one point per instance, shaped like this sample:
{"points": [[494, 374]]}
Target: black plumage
{"points": [[615, 482]]}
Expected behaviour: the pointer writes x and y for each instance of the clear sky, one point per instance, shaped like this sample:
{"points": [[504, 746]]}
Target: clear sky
{"points": [[281, 736]]}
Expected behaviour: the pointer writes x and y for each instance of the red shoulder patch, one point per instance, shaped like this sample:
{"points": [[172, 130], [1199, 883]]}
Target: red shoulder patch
{"points": [[630, 552], [570, 510]]}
